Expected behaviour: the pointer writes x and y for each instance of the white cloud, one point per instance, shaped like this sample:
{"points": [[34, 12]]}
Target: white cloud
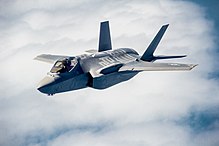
{"points": [[141, 111]]}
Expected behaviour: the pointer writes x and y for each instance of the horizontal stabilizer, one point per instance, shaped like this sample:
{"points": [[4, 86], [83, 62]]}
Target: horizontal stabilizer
{"points": [[168, 57], [104, 38], [148, 54]]}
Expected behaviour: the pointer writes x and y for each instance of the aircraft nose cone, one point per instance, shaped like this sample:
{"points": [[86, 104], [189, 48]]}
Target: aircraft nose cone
{"points": [[44, 84]]}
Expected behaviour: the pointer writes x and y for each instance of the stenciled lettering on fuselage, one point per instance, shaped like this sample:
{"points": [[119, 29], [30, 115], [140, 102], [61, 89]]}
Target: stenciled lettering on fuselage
{"points": [[117, 56]]}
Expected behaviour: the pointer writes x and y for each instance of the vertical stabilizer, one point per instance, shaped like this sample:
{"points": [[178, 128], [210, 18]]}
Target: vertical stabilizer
{"points": [[148, 54], [104, 38]]}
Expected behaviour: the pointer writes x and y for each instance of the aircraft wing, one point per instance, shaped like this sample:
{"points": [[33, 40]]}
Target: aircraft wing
{"points": [[49, 58], [149, 66]]}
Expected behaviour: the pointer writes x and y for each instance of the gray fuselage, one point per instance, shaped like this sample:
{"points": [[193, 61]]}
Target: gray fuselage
{"points": [[96, 70]]}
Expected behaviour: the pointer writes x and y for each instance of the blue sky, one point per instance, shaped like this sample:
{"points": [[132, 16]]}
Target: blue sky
{"points": [[154, 108], [211, 11]]}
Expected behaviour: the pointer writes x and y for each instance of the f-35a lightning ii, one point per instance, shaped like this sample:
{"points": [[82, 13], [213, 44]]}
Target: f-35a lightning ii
{"points": [[104, 67]]}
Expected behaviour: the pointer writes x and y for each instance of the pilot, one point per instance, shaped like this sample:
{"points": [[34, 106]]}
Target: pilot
{"points": [[65, 66]]}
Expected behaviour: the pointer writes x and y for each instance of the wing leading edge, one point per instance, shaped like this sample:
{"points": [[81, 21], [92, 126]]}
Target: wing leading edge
{"points": [[49, 58]]}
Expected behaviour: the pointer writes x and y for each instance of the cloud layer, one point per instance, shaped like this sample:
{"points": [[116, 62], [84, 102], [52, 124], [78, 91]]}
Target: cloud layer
{"points": [[154, 108]]}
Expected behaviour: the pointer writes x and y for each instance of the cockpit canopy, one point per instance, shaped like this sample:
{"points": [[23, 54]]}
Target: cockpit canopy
{"points": [[64, 65]]}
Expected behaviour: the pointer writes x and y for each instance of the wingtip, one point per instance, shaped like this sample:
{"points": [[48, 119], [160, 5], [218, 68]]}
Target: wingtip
{"points": [[38, 56], [192, 66], [182, 56], [35, 58], [166, 25]]}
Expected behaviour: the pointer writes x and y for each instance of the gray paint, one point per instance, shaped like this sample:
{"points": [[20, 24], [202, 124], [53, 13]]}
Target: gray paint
{"points": [[103, 68]]}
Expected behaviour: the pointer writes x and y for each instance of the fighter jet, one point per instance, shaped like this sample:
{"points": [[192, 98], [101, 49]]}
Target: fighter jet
{"points": [[103, 68]]}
